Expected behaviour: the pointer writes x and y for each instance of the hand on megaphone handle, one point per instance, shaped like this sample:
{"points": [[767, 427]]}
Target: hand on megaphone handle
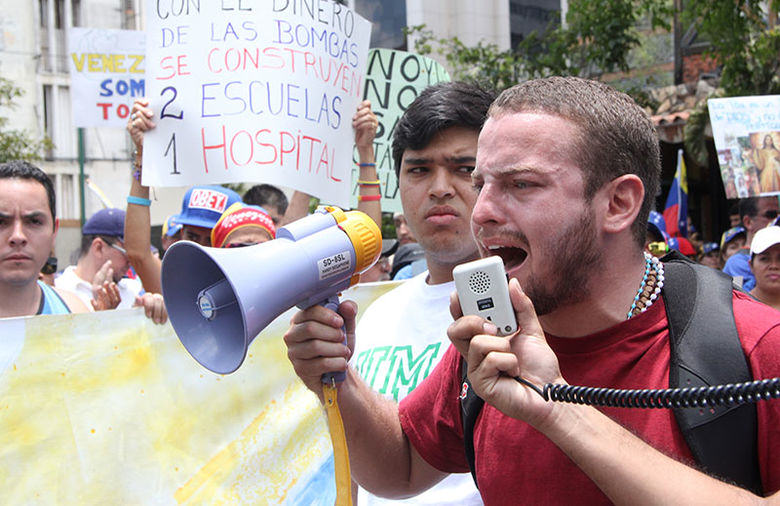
{"points": [[315, 342]]}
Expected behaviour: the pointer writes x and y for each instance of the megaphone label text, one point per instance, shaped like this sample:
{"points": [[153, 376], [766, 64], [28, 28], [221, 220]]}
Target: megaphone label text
{"points": [[335, 264]]}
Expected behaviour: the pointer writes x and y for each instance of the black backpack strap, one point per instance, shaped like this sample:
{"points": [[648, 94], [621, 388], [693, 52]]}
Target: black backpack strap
{"points": [[470, 407], [706, 350]]}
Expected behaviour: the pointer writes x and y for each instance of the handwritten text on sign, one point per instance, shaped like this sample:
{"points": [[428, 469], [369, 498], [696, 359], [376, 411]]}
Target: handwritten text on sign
{"points": [[254, 91], [107, 73], [393, 81]]}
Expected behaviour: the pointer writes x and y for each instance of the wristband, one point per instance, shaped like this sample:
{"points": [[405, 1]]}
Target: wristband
{"points": [[369, 198], [367, 164], [369, 183], [139, 201]]}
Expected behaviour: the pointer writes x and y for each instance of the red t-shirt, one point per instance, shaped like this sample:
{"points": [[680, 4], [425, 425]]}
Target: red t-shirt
{"points": [[517, 464]]}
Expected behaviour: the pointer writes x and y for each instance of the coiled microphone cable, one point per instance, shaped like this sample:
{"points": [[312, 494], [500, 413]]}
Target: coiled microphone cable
{"points": [[716, 395]]}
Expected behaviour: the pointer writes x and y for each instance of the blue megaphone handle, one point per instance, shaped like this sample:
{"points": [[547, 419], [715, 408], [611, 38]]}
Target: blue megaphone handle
{"points": [[329, 378]]}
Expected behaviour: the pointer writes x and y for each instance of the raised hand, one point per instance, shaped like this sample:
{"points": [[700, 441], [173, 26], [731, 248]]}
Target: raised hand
{"points": [[154, 307], [105, 296], [365, 124]]}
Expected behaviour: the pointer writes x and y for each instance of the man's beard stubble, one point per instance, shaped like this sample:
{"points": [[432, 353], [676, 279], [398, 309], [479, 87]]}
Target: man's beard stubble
{"points": [[571, 256]]}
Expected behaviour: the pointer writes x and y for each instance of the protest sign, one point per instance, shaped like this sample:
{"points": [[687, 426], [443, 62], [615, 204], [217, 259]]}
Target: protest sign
{"points": [[107, 408], [254, 92], [106, 74], [746, 131], [393, 81]]}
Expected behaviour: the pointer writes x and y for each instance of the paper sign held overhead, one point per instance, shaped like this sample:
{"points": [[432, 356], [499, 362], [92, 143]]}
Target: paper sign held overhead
{"points": [[254, 92], [107, 73], [393, 81]]}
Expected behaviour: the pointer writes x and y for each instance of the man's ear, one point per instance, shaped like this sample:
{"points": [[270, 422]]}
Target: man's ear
{"points": [[623, 197], [97, 245]]}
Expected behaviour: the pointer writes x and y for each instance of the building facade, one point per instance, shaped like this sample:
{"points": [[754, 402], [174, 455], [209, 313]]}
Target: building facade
{"points": [[34, 56]]}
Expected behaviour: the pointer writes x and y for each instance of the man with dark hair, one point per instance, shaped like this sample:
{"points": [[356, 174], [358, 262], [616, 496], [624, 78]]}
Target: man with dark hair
{"points": [[402, 335], [270, 198], [28, 229], [755, 213], [567, 170]]}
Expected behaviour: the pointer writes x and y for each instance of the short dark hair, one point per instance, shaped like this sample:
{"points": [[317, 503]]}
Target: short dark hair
{"points": [[437, 108], [616, 137], [86, 242], [266, 195], [19, 169], [748, 207]]}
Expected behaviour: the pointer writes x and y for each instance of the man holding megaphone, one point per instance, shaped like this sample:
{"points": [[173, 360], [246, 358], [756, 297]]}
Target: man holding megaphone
{"points": [[434, 150]]}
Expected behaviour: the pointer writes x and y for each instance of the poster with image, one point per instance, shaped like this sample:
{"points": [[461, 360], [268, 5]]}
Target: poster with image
{"points": [[746, 131]]}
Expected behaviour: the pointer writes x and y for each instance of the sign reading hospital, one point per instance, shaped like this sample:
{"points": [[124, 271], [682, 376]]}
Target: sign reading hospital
{"points": [[746, 131], [107, 74], [393, 81], [250, 91]]}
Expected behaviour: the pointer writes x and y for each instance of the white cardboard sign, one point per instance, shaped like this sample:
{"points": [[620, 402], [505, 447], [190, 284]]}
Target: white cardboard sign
{"points": [[254, 91]]}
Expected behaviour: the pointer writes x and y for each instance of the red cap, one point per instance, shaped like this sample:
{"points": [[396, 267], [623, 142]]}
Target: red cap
{"points": [[238, 216]]}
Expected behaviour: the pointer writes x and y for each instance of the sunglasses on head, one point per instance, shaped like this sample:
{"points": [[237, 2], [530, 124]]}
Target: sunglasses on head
{"points": [[50, 267]]}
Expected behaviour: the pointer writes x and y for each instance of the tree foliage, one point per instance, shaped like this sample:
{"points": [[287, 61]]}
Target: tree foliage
{"points": [[742, 42], [599, 35], [17, 144], [596, 39]]}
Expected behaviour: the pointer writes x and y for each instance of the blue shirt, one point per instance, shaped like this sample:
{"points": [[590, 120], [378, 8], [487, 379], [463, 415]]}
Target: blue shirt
{"points": [[51, 302], [738, 264]]}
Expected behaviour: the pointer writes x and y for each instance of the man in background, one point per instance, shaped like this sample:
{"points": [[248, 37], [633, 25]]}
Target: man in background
{"points": [[102, 264], [270, 198], [402, 335], [756, 213], [28, 229]]}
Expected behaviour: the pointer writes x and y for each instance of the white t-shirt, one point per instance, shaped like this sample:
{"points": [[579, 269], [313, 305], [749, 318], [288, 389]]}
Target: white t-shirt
{"points": [[69, 280], [399, 340]]}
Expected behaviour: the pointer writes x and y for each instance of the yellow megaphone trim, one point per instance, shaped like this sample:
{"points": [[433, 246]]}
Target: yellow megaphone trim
{"points": [[364, 234]]}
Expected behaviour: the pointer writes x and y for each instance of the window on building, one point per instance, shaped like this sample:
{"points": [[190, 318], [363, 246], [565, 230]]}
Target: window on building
{"points": [[388, 18], [59, 13], [76, 12], [48, 116], [526, 16]]}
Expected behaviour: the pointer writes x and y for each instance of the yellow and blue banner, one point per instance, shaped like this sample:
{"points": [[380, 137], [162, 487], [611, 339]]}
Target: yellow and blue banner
{"points": [[108, 408]]}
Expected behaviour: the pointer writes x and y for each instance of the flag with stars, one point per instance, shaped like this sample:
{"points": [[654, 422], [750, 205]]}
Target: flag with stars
{"points": [[676, 210]]}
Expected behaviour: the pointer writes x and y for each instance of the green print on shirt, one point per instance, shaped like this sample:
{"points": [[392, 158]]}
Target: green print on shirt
{"points": [[394, 368]]}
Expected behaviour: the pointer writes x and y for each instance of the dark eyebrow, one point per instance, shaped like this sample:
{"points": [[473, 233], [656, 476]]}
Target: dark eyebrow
{"points": [[454, 159]]}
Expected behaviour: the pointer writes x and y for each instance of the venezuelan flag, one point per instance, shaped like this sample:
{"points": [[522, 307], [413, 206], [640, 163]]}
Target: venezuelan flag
{"points": [[676, 210]]}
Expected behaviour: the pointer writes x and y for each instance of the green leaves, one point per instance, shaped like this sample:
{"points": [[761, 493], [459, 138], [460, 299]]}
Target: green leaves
{"points": [[17, 144], [597, 39]]}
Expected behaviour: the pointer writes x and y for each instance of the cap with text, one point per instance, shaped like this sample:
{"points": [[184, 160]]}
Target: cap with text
{"points": [[203, 206]]}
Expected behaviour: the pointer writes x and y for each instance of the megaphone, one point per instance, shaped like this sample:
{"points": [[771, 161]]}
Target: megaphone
{"points": [[219, 300]]}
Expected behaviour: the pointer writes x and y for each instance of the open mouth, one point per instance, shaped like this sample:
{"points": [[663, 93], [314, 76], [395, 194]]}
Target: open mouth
{"points": [[511, 256]]}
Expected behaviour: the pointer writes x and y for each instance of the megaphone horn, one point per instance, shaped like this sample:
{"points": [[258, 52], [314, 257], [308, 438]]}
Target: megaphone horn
{"points": [[219, 300]]}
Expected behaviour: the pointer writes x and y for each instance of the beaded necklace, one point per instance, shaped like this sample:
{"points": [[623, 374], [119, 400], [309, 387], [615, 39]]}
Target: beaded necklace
{"points": [[650, 289]]}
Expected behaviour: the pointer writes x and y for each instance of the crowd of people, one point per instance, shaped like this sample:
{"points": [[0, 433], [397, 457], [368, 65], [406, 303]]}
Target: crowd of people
{"points": [[556, 176]]}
